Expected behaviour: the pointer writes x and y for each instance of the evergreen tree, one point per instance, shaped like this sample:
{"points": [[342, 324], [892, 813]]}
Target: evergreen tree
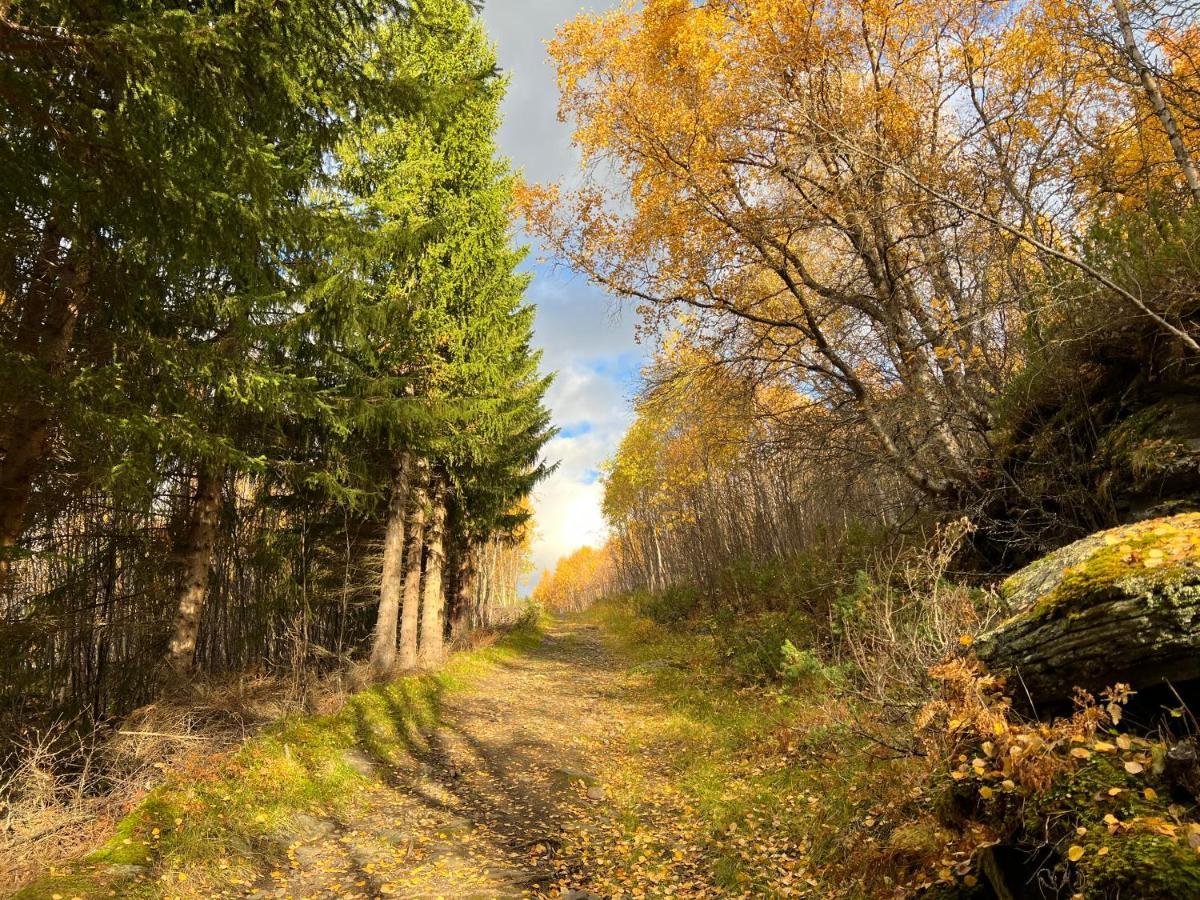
{"points": [[152, 163], [441, 373]]}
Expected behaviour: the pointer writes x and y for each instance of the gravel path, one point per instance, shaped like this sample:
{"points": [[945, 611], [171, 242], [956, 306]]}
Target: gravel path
{"points": [[508, 798]]}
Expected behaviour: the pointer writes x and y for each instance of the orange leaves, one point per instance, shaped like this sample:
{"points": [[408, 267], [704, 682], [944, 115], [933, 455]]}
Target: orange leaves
{"points": [[1016, 755], [579, 579]]}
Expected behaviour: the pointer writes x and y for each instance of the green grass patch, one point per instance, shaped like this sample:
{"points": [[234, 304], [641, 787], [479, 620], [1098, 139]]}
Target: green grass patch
{"points": [[228, 816], [763, 765]]}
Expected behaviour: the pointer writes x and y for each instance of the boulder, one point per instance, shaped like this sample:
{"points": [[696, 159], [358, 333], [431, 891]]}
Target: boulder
{"points": [[566, 776], [1121, 605]]}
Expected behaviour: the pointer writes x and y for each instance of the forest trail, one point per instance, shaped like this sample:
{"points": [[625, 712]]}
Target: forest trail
{"points": [[510, 796]]}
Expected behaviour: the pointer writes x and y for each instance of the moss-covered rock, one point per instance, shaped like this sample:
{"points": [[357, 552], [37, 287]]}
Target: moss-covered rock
{"points": [[1151, 460], [1140, 864], [1122, 605]]}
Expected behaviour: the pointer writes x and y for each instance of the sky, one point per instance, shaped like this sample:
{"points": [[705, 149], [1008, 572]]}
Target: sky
{"points": [[586, 337]]}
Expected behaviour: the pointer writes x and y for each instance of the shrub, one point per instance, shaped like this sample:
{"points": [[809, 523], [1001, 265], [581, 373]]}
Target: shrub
{"points": [[804, 666], [673, 606], [752, 646]]}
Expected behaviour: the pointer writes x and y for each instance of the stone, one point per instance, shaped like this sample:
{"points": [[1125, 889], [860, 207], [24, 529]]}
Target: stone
{"points": [[1151, 459], [566, 776], [304, 827], [654, 665], [1121, 605], [125, 871], [574, 894], [597, 792], [360, 762]]}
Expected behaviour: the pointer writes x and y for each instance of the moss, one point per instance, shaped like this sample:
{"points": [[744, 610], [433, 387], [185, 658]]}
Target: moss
{"points": [[1154, 441], [1148, 558], [1105, 810], [74, 885], [1143, 865]]}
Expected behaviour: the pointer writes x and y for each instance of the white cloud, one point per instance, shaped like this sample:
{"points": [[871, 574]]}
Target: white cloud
{"points": [[582, 334], [567, 504]]}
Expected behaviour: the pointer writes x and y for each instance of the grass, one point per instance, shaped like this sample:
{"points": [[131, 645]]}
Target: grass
{"points": [[229, 815], [784, 787]]}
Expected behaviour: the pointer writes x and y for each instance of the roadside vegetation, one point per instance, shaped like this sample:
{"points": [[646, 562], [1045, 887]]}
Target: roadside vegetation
{"points": [[222, 821]]}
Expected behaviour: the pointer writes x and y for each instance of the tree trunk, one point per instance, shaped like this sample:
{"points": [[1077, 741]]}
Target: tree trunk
{"points": [[1155, 95], [197, 561], [464, 576], [46, 332], [411, 607], [433, 601], [391, 578]]}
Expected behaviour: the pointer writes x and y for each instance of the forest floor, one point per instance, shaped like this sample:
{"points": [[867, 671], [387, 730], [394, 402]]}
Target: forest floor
{"points": [[593, 761]]}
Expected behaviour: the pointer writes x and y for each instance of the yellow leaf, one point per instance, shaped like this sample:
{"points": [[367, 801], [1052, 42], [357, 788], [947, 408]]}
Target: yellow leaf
{"points": [[1075, 853], [1133, 767]]}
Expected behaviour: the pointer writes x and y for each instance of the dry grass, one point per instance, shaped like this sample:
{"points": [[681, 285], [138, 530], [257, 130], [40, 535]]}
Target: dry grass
{"points": [[64, 787]]}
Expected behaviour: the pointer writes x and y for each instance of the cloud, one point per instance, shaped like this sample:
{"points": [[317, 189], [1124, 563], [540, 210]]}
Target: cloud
{"points": [[583, 334], [531, 135]]}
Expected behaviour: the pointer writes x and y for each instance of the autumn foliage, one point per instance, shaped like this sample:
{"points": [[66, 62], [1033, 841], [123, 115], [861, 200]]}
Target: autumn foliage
{"points": [[880, 205]]}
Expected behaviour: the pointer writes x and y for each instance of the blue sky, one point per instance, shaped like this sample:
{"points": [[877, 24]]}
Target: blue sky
{"points": [[584, 335]]}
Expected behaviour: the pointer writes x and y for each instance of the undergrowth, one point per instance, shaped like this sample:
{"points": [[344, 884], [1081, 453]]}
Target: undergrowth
{"points": [[789, 778], [805, 781], [228, 816]]}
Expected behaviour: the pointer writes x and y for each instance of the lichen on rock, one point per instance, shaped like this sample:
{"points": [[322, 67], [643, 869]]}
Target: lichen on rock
{"points": [[1122, 605]]}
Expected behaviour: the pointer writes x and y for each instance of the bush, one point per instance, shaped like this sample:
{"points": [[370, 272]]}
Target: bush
{"points": [[753, 646], [804, 666], [673, 606]]}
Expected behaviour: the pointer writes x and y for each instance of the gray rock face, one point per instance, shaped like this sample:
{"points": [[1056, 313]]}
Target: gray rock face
{"points": [[1153, 459], [1119, 606]]}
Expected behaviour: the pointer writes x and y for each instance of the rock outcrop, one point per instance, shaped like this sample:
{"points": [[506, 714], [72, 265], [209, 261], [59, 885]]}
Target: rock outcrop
{"points": [[1121, 605], [1151, 460]]}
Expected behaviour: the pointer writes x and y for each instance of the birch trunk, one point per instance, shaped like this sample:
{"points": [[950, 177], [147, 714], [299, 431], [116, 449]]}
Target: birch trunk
{"points": [[1154, 93]]}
